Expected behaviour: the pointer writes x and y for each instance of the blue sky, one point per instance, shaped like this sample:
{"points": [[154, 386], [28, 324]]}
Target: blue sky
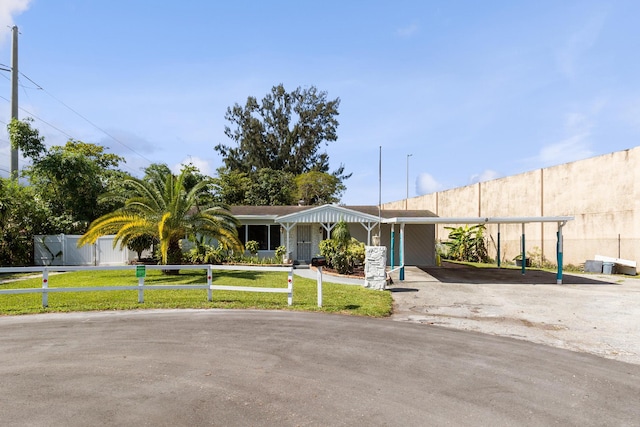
{"points": [[472, 90]]}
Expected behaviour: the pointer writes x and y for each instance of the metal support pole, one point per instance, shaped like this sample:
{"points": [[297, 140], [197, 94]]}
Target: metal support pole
{"points": [[402, 251], [406, 201], [559, 250], [523, 253], [393, 246], [498, 250]]}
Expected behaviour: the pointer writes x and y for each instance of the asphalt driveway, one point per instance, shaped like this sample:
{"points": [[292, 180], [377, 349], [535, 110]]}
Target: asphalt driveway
{"points": [[227, 367], [597, 314]]}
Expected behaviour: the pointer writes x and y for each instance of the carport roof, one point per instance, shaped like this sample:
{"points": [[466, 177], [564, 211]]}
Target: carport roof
{"points": [[478, 220]]}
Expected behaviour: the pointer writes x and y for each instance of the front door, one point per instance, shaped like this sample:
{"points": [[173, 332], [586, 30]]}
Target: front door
{"points": [[304, 243]]}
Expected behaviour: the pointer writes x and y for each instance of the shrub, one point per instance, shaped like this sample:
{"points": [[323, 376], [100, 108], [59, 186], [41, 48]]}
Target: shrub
{"points": [[281, 252], [252, 246], [342, 257]]}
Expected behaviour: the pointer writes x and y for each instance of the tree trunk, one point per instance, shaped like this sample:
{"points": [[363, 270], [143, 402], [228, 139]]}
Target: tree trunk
{"points": [[174, 256]]}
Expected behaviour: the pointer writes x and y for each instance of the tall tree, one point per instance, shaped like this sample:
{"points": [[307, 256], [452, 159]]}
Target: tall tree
{"points": [[69, 178], [164, 209], [22, 214], [285, 131], [318, 188]]}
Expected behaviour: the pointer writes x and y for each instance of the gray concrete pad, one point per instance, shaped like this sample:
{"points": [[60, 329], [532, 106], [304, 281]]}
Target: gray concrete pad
{"points": [[597, 314], [228, 367]]}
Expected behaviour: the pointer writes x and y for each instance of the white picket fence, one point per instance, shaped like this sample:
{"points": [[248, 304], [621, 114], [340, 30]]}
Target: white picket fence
{"points": [[45, 290], [62, 249]]}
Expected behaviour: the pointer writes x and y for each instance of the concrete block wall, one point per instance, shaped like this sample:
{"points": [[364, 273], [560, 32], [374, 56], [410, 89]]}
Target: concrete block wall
{"points": [[602, 193]]}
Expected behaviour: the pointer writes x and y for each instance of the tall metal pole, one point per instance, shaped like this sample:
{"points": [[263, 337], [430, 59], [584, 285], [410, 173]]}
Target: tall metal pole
{"points": [[406, 201], [14, 95], [380, 193]]}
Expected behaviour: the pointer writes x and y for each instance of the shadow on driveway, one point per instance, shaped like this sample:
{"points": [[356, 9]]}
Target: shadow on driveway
{"points": [[458, 273]]}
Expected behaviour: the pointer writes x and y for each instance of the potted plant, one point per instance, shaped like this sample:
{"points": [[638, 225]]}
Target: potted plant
{"points": [[518, 260]]}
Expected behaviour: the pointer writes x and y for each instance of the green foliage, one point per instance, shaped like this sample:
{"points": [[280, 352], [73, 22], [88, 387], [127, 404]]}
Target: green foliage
{"points": [[252, 246], [206, 254], [26, 139], [141, 243], [281, 252], [22, 214], [318, 188], [70, 179], [162, 207], [341, 234], [283, 131], [231, 187], [271, 187], [467, 244], [538, 260], [262, 187], [276, 140], [342, 255]]}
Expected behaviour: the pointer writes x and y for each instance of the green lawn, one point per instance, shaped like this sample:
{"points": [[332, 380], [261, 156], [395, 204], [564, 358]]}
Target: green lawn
{"points": [[347, 299]]}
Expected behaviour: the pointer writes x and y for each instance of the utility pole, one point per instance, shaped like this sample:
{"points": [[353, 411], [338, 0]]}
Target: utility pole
{"points": [[406, 201], [14, 95]]}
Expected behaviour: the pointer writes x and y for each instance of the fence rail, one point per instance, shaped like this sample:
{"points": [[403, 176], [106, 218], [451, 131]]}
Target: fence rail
{"points": [[45, 290]]}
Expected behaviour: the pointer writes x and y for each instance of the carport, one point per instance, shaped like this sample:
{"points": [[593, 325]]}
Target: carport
{"points": [[560, 220]]}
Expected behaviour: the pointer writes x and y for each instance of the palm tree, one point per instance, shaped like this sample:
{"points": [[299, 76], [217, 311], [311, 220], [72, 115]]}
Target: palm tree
{"points": [[161, 206]]}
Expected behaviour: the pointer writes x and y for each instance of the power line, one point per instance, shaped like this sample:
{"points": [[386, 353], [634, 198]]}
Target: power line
{"points": [[95, 126], [42, 120]]}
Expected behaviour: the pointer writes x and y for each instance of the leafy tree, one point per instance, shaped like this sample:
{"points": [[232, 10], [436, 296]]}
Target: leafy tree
{"points": [[230, 187], [22, 214], [284, 131], [165, 210], [271, 187], [467, 244], [318, 188], [26, 139], [141, 243], [70, 179]]}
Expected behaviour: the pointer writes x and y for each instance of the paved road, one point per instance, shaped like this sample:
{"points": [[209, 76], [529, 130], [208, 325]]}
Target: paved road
{"points": [[227, 367]]}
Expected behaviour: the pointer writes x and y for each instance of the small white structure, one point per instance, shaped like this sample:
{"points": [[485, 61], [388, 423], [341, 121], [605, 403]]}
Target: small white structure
{"points": [[375, 273], [62, 249]]}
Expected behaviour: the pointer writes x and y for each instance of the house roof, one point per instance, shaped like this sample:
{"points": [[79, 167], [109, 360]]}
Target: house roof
{"points": [[324, 213]]}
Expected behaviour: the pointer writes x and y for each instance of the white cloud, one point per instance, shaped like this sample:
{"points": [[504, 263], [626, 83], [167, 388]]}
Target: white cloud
{"points": [[577, 144], [204, 166], [576, 147], [9, 8], [486, 175], [578, 44], [427, 184], [408, 31]]}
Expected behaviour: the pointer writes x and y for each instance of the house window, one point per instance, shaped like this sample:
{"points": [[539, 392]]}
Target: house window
{"points": [[267, 236], [259, 233], [274, 234]]}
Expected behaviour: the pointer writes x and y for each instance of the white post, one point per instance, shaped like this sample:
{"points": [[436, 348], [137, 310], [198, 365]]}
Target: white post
{"points": [[209, 283], [290, 287], [319, 286], [45, 286], [140, 290]]}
